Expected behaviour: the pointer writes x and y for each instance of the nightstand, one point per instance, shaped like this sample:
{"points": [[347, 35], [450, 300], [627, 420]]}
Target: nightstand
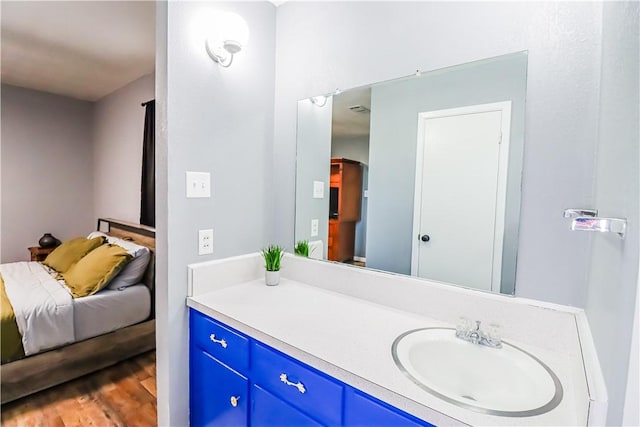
{"points": [[38, 253]]}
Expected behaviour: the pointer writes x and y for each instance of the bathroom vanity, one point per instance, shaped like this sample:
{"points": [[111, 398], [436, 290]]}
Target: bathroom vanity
{"points": [[231, 372], [319, 349]]}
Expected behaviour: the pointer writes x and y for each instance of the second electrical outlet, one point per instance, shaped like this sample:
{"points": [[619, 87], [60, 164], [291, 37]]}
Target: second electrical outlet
{"points": [[205, 242]]}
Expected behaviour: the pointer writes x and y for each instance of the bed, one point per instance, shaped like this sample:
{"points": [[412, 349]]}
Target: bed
{"points": [[86, 334]]}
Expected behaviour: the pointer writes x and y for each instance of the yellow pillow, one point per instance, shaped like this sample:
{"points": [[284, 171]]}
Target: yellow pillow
{"points": [[95, 270], [70, 252]]}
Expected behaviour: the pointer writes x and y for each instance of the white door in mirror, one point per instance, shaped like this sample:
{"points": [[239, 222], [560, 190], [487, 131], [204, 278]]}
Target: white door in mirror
{"points": [[461, 200]]}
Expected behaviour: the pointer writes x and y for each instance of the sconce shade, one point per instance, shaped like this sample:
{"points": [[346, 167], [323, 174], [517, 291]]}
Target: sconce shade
{"points": [[229, 34]]}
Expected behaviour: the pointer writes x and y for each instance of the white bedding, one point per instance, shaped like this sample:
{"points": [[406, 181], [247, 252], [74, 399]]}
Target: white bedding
{"points": [[42, 305], [48, 316], [109, 310]]}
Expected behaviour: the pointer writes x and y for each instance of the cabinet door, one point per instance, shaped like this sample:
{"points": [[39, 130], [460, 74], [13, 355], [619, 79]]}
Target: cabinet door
{"points": [[268, 410], [362, 410], [219, 396], [227, 346], [303, 387]]}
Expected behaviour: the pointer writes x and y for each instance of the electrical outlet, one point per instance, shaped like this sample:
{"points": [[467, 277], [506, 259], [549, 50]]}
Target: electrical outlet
{"points": [[205, 242], [314, 227], [198, 184]]}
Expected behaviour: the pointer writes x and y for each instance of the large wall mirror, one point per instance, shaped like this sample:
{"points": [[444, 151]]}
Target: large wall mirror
{"points": [[419, 175]]}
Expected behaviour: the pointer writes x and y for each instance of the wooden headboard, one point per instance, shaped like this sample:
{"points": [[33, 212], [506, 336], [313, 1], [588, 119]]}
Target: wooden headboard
{"points": [[141, 234]]}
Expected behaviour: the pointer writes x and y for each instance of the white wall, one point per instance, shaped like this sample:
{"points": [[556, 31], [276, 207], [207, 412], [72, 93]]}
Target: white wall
{"points": [[631, 415], [117, 150], [563, 40], [353, 148], [613, 272], [47, 173], [210, 119]]}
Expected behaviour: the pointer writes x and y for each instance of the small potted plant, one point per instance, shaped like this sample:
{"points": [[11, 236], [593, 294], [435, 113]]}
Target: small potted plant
{"points": [[272, 255], [302, 248]]}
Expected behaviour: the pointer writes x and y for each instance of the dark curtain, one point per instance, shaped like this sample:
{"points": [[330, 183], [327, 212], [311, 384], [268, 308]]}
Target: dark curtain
{"points": [[148, 189]]}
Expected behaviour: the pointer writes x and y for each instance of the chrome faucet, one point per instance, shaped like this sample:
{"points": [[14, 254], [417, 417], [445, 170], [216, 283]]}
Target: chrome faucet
{"points": [[477, 336]]}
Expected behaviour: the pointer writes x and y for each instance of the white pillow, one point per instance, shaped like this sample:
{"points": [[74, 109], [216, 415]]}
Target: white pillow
{"points": [[133, 272]]}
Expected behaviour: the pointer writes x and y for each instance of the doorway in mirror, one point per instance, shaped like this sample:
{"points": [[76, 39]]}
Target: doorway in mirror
{"points": [[345, 208]]}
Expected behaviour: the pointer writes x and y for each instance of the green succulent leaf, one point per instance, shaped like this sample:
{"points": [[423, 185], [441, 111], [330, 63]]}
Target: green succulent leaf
{"points": [[272, 255]]}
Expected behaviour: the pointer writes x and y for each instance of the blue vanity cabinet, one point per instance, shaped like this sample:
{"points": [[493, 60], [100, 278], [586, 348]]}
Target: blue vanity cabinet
{"points": [[268, 410], [224, 344], [361, 410], [219, 395], [301, 386], [236, 380]]}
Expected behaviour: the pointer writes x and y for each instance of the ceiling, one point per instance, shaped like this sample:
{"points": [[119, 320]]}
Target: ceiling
{"points": [[81, 49], [346, 123]]}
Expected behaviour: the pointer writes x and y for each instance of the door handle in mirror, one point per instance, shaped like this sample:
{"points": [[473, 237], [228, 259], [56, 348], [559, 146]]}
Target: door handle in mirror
{"points": [[425, 238]]}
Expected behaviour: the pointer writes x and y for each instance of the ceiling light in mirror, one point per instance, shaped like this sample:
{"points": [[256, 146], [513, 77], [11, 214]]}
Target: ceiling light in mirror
{"points": [[319, 101]]}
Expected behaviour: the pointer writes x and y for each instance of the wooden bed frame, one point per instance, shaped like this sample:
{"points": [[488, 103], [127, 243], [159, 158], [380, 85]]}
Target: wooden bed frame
{"points": [[38, 372]]}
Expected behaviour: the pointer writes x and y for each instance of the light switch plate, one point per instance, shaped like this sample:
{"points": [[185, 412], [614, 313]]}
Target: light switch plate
{"points": [[198, 184], [205, 242], [318, 189], [314, 227]]}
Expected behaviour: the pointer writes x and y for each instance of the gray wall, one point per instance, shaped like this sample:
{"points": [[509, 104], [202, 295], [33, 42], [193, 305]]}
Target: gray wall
{"points": [[354, 148], [217, 120], [563, 41], [313, 164], [47, 173], [394, 133], [117, 150], [613, 272]]}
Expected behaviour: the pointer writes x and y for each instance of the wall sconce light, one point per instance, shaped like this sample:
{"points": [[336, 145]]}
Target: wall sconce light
{"points": [[229, 35]]}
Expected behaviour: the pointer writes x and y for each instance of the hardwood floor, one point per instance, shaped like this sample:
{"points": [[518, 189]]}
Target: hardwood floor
{"points": [[122, 395]]}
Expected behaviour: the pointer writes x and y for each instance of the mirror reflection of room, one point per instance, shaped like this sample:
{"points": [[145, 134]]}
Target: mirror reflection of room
{"points": [[423, 171]]}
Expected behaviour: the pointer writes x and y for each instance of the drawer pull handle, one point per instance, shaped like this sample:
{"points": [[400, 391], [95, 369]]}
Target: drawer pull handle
{"points": [[222, 342], [234, 401], [298, 385]]}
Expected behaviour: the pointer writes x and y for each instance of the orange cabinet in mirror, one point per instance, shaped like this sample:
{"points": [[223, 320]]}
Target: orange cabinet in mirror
{"points": [[346, 184]]}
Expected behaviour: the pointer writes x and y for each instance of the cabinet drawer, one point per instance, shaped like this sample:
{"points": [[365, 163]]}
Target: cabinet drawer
{"points": [[363, 410], [267, 410], [221, 342], [300, 385], [219, 396]]}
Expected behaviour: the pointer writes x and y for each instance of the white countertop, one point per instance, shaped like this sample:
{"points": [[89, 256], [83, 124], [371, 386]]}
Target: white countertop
{"points": [[350, 339]]}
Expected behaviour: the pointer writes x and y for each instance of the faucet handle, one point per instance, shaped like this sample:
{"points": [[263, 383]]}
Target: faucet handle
{"points": [[478, 325], [494, 332], [463, 326]]}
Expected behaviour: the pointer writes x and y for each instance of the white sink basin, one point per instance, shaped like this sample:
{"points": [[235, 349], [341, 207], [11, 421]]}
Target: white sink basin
{"points": [[503, 381]]}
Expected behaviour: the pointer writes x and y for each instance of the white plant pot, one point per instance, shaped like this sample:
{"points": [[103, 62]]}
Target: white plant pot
{"points": [[272, 278]]}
